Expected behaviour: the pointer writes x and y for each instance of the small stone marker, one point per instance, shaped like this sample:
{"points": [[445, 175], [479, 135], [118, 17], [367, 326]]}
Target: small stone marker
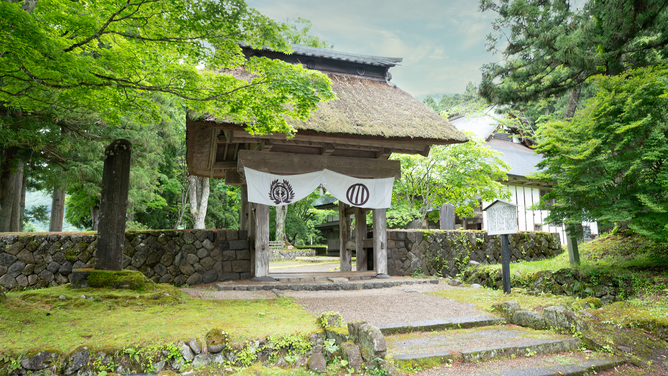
{"points": [[502, 220], [113, 205], [447, 217]]}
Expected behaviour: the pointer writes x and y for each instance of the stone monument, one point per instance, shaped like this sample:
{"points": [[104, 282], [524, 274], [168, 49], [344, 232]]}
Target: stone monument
{"points": [[113, 205]]}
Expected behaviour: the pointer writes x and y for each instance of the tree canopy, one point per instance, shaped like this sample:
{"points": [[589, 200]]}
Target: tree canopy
{"points": [[610, 162], [552, 47], [459, 174], [69, 68]]}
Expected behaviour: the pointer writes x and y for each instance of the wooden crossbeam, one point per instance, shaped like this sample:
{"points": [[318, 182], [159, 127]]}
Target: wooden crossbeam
{"points": [[292, 164]]}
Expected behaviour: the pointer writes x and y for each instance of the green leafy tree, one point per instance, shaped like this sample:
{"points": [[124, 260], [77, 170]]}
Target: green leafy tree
{"points": [[431, 103], [298, 31], [459, 174], [448, 101], [611, 161], [78, 64], [552, 48]]}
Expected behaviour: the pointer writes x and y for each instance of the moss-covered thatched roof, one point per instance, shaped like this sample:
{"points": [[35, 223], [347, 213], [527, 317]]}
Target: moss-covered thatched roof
{"points": [[368, 107], [374, 108]]}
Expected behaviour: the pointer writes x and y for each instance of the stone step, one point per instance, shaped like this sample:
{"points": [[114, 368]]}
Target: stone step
{"points": [[327, 284], [574, 369], [464, 322], [426, 349]]}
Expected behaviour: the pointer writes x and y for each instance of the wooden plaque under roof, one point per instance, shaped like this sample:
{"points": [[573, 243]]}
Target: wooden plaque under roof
{"points": [[370, 120]]}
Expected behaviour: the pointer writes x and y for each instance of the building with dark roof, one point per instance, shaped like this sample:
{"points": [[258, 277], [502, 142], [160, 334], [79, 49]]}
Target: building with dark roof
{"points": [[515, 149]]}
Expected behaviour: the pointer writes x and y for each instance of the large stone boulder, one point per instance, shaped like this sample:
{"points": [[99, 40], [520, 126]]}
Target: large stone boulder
{"points": [[529, 319]]}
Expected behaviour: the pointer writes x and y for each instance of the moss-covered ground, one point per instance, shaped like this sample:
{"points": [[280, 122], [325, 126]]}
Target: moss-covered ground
{"points": [[640, 323], [62, 318]]}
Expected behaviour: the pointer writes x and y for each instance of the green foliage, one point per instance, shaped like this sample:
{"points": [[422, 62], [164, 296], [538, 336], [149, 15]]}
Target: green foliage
{"points": [[611, 161], [301, 220], [431, 103], [552, 47], [297, 31], [459, 174]]}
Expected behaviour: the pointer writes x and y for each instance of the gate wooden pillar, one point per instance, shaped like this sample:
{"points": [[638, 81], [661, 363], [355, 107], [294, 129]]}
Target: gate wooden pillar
{"points": [[261, 259], [243, 220], [360, 235], [380, 242], [344, 235]]}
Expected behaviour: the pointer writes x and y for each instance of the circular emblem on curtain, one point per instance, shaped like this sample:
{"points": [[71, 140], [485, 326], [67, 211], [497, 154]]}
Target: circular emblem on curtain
{"points": [[357, 194], [281, 192]]}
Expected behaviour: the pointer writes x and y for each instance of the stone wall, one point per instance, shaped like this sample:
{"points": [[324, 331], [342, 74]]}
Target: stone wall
{"points": [[448, 253], [165, 256], [607, 286], [285, 255]]}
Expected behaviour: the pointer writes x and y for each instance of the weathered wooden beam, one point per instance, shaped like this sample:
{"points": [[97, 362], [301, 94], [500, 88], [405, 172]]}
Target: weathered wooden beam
{"points": [[291, 164], [261, 241], [366, 243], [384, 153], [360, 235], [232, 177], [380, 242], [213, 147], [347, 141], [243, 209], [228, 165], [267, 145], [328, 149], [344, 229]]}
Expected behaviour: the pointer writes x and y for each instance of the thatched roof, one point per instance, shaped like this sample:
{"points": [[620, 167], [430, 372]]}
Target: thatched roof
{"points": [[373, 108]]}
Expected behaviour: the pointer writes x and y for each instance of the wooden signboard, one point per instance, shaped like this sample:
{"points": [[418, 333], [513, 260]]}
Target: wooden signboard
{"points": [[501, 218]]}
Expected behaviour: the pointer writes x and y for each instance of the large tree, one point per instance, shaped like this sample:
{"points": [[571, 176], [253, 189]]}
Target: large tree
{"points": [[65, 63], [459, 174], [552, 47], [611, 161]]}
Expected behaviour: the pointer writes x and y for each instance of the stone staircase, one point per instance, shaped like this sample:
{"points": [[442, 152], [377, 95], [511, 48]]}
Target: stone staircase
{"points": [[478, 339]]}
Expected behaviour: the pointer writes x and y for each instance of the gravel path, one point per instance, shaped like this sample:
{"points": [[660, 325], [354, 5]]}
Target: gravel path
{"points": [[379, 306]]}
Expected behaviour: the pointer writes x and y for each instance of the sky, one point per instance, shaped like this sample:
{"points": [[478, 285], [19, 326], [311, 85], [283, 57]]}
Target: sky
{"points": [[442, 42]]}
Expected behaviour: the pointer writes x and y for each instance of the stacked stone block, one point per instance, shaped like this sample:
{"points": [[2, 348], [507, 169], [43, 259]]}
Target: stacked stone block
{"points": [[179, 257], [448, 252]]}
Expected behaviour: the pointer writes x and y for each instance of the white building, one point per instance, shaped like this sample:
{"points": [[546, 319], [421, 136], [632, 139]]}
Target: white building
{"points": [[525, 193]]}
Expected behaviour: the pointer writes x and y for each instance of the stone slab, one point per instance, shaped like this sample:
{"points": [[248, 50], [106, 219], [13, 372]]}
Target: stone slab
{"points": [[440, 324], [581, 368], [479, 343]]}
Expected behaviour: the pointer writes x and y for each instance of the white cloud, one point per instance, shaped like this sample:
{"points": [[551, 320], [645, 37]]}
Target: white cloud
{"points": [[442, 42]]}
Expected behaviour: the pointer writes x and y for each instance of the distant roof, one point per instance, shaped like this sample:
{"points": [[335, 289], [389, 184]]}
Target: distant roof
{"points": [[324, 201], [345, 56], [482, 126], [522, 160]]}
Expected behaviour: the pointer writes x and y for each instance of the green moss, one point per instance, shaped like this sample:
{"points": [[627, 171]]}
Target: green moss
{"points": [[119, 279], [217, 337], [587, 303], [116, 319]]}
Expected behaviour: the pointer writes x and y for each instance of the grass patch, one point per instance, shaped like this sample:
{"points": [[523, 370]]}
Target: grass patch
{"points": [[642, 259], [62, 318], [485, 298]]}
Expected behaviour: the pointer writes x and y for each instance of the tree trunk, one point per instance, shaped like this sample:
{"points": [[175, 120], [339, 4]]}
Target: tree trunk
{"points": [[15, 219], [8, 176], [199, 199], [573, 102], [281, 213], [57, 210]]}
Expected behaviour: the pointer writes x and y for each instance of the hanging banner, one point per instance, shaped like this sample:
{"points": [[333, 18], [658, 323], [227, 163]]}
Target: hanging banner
{"points": [[362, 193], [278, 190]]}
